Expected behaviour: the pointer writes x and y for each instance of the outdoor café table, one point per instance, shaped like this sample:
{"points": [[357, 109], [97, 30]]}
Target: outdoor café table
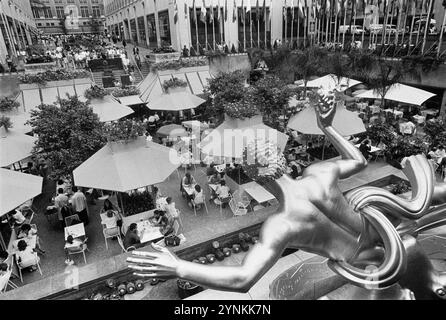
{"points": [[30, 241], [419, 119], [189, 190], [375, 109], [220, 168], [147, 232], [258, 193], [213, 186], [161, 202], [76, 231], [430, 112]]}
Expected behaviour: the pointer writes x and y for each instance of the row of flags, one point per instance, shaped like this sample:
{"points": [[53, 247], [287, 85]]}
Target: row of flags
{"points": [[313, 8]]}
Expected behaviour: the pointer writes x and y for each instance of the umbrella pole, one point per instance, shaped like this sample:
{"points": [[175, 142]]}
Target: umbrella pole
{"points": [[122, 203], [323, 149]]}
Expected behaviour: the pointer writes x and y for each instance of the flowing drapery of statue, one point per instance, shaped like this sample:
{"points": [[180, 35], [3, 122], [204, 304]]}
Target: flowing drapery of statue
{"points": [[369, 235]]}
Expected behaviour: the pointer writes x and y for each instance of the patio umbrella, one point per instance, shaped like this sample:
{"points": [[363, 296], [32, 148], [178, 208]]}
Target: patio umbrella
{"points": [[347, 123], [172, 130], [16, 188], [400, 93], [195, 124], [127, 166], [14, 146], [328, 83], [176, 101], [232, 137], [108, 109]]}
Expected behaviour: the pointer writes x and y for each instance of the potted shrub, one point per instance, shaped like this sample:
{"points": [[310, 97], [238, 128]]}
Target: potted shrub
{"points": [[174, 84], [8, 104], [5, 122], [95, 92]]}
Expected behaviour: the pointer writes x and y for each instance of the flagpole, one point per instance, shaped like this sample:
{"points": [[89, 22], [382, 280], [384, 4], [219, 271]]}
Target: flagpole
{"points": [[419, 24], [265, 18], [406, 12], [398, 24], [391, 20], [336, 36], [244, 27], [441, 35], [354, 21], [364, 4], [326, 25], [196, 30], [258, 28], [292, 23], [414, 11], [298, 27], [305, 24], [250, 21], [426, 29], [345, 23]]}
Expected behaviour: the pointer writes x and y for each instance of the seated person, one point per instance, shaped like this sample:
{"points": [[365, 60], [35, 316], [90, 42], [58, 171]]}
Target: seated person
{"points": [[433, 153], [310, 150], [365, 149], [72, 245], [108, 205], [197, 197], [167, 225], [188, 180], [26, 257], [3, 256], [211, 170], [291, 156], [17, 217], [214, 179], [27, 231], [111, 221], [223, 192], [296, 171], [157, 218], [131, 238]]}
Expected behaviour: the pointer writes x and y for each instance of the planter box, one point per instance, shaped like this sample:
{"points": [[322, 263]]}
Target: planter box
{"points": [[162, 57], [82, 81], [183, 70], [28, 86], [39, 67], [53, 84]]}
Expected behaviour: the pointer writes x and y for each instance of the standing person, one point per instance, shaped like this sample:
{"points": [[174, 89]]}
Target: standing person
{"points": [[135, 51], [80, 207], [10, 63], [124, 43], [60, 202], [365, 149]]}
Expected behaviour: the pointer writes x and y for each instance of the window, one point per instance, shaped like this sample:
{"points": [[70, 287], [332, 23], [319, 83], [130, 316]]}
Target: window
{"points": [[96, 11], [60, 12], [36, 13], [83, 1], [84, 12], [58, 1], [47, 13], [70, 1]]}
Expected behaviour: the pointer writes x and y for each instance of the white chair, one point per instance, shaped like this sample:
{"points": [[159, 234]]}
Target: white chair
{"points": [[121, 244], [242, 199], [5, 280], [69, 220], [20, 267], [221, 201], [200, 206], [84, 248], [237, 208], [110, 233]]}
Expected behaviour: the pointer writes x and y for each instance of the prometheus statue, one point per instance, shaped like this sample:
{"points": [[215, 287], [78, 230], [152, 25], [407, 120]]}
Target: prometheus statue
{"points": [[368, 226]]}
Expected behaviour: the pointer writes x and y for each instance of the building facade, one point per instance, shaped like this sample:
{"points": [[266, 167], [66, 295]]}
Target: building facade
{"points": [[252, 23], [68, 16], [17, 27]]}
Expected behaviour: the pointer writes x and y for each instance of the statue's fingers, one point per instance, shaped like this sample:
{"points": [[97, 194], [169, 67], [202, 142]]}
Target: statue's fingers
{"points": [[146, 275], [145, 254], [145, 269], [140, 260]]}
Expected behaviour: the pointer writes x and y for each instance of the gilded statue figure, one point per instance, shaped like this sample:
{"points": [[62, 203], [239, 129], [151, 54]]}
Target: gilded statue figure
{"points": [[367, 226]]}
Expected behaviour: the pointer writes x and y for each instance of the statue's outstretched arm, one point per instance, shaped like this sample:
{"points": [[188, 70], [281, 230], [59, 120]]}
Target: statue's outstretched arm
{"points": [[352, 159], [273, 240]]}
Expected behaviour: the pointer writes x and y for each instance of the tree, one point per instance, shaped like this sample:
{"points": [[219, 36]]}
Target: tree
{"points": [[67, 135], [337, 64]]}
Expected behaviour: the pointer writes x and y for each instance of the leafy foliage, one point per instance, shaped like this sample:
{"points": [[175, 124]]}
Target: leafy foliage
{"points": [[242, 109], [67, 135], [174, 83], [8, 104], [125, 92], [164, 49], [181, 63], [53, 75], [5, 122], [95, 92], [405, 146], [135, 203], [401, 187], [381, 132], [434, 129], [124, 130]]}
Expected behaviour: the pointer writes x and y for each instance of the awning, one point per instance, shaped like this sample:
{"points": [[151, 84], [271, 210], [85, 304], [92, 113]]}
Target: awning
{"points": [[176, 101], [347, 123], [232, 137], [130, 100], [400, 93], [127, 166], [108, 109], [14, 146], [172, 130], [16, 188], [329, 82]]}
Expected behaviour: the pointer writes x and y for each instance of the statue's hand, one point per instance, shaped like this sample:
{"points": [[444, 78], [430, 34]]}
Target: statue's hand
{"points": [[160, 264], [326, 109]]}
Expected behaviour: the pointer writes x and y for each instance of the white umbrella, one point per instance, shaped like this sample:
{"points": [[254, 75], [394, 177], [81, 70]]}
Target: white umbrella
{"points": [[127, 166], [16, 188], [14, 146], [329, 82], [108, 109], [176, 101], [400, 93]]}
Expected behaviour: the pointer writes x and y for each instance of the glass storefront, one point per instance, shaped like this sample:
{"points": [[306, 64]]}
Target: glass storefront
{"points": [[209, 32], [164, 28]]}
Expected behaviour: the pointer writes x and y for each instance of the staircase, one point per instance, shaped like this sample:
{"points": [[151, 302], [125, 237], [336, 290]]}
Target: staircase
{"points": [[97, 76]]}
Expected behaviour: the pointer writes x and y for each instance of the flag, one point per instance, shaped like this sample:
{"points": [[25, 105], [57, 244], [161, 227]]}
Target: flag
{"points": [[226, 10], [211, 16], [242, 15], [301, 8], [285, 9], [234, 12], [186, 10], [248, 6], [292, 10], [175, 18], [218, 11], [264, 10], [203, 12], [195, 12]]}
